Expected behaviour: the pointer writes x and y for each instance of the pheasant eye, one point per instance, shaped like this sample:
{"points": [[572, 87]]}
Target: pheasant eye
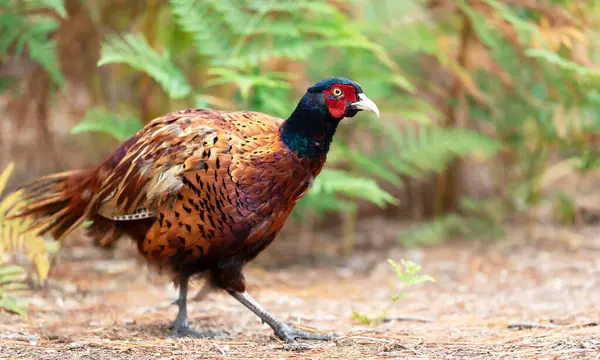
{"points": [[337, 92]]}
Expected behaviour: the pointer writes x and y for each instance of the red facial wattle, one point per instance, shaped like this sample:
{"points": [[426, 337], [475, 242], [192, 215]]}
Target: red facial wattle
{"points": [[337, 105]]}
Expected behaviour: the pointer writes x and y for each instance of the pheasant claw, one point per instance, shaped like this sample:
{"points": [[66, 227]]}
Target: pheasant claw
{"points": [[290, 334]]}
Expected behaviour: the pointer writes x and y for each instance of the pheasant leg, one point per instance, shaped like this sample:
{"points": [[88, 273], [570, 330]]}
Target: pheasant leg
{"points": [[283, 331], [180, 327]]}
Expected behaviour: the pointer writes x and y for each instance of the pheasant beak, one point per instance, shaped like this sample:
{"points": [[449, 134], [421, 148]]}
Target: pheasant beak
{"points": [[364, 103]]}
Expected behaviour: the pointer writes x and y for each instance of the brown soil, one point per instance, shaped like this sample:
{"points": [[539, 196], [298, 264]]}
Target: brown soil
{"points": [[509, 300]]}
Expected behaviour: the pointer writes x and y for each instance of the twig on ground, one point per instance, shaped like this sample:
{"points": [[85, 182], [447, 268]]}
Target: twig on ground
{"points": [[223, 351], [582, 325], [416, 318], [354, 335], [296, 347], [77, 345], [531, 325], [372, 339]]}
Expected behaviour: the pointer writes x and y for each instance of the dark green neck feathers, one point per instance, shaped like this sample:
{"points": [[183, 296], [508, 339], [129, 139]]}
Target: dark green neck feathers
{"points": [[310, 128]]}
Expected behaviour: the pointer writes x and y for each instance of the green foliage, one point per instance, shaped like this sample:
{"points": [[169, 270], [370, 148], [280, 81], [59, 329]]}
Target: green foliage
{"points": [[133, 50], [564, 209], [420, 151], [242, 34], [545, 101], [475, 219], [333, 187], [246, 82], [121, 127], [434, 231], [21, 33], [13, 289], [15, 239], [407, 274], [204, 19], [583, 73]]}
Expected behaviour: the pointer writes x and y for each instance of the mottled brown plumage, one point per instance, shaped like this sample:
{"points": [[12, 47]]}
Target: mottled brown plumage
{"points": [[202, 191]]}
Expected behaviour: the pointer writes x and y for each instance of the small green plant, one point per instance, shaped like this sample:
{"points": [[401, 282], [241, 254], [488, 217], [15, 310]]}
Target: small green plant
{"points": [[407, 273]]}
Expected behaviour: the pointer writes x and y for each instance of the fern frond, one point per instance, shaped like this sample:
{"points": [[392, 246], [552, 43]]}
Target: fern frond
{"points": [[430, 149], [273, 101], [280, 47], [44, 52], [415, 152], [231, 13], [476, 218], [34, 34], [134, 50], [206, 24], [246, 82], [101, 120], [525, 29], [412, 153], [4, 177], [367, 165], [276, 27], [433, 232], [14, 236], [13, 289], [299, 28], [317, 7], [581, 71], [334, 181]]}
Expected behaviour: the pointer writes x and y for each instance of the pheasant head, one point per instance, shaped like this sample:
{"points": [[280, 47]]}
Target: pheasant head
{"points": [[310, 128]]}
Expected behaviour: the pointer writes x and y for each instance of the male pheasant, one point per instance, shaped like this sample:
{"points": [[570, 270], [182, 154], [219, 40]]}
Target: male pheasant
{"points": [[202, 191]]}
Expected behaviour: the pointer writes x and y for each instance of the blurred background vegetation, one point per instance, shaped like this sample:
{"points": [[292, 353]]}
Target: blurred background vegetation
{"points": [[489, 107]]}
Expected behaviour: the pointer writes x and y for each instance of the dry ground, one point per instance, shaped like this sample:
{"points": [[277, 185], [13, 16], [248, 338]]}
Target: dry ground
{"points": [[100, 305]]}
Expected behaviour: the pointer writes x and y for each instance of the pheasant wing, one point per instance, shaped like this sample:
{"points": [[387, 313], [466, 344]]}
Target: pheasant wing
{"points": [[146, 171]]}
